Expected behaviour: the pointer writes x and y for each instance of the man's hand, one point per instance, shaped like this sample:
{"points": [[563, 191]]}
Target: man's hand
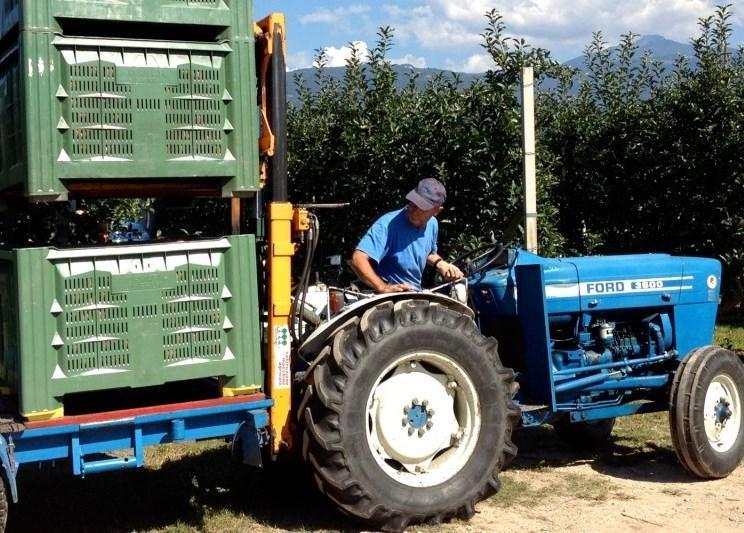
{"points": [[399, 287], [448, 271]]}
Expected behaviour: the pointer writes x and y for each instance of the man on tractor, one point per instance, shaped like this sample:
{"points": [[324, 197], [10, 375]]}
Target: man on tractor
{"points": [[392, 255]]}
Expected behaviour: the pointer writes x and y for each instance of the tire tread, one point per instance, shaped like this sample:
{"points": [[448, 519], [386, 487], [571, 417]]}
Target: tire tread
{"points": [[326, 387]]}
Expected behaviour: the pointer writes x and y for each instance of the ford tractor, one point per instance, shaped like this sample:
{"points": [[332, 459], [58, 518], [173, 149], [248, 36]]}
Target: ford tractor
{"points": [[410, 400]]}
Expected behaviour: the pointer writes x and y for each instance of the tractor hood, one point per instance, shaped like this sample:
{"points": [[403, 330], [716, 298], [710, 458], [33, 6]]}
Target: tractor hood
{"points": [[602, 282]]}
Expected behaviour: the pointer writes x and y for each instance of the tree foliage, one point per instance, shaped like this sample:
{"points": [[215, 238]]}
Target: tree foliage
{"points": [[652, 162], [363, 141], [631, 158]]}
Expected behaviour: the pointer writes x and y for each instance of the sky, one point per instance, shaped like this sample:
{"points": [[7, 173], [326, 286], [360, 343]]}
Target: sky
{"points": [[446, 33]]}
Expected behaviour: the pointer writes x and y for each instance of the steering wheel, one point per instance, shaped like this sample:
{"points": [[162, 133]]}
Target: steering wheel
{"points": [[479, 259]]}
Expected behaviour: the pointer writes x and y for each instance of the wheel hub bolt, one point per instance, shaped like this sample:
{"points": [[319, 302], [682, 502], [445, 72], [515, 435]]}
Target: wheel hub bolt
{"points": [[415, 401], [406, 409], [430, 412], [421, 432], [410, 431], [405, 422], [429, 424]]}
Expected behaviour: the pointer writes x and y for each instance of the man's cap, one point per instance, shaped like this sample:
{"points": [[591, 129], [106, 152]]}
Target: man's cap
{"points": [[428, 194]]}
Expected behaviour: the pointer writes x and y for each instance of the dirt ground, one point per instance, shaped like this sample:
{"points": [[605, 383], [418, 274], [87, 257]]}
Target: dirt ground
{"points": [[643, 498], [633, 485]]}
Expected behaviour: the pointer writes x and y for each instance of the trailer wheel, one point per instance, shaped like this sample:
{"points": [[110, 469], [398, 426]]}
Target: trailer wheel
{"points": [[706, 418], [409, 417], [588, 434]]}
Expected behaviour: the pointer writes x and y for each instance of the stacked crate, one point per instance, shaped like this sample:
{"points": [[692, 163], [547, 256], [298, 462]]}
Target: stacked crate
{"points": [[108, 94], [117, 90]]}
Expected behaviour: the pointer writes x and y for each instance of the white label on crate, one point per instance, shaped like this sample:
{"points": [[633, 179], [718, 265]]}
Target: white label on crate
{"points": [[282, 348]]}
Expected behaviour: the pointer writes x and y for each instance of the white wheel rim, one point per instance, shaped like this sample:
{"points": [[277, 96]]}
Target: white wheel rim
{"points": [[423, 419], [722, 412]]}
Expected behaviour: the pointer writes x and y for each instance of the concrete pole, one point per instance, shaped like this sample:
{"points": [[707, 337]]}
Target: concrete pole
{"points": [[528, 149]]}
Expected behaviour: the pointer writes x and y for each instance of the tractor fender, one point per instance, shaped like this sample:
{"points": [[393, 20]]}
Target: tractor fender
{"points": [[311, 347]]}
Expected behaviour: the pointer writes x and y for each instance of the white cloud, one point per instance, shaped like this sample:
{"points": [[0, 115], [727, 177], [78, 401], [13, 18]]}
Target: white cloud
{"points": [[428, 27], [298, 60], [553, 24], [410, 59], [337, 57], [474, 64], [333, 16]]}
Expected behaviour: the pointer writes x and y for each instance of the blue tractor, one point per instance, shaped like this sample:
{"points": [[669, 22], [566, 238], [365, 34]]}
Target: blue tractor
{"points": [[410, 399]]}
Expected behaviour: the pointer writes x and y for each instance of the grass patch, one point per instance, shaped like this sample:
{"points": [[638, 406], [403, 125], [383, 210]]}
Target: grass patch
{"points": [[588, 488], [548, 485], [514, 492], [730, 332], [644, 432]]}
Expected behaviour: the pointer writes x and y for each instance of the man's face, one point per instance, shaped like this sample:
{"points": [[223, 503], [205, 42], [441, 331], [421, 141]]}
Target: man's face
{"points": [[419, 217]]}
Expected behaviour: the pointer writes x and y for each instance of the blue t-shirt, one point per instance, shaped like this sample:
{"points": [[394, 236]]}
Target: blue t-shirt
{"points": [[400, 248]]}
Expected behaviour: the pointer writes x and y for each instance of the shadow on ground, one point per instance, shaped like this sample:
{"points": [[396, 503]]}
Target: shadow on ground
{"points": [[185, 493], [621, 458], [179, 495]]}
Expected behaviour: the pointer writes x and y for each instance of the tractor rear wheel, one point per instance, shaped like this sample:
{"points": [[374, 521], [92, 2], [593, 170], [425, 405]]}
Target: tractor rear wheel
{"points": [[408, 418], [706, 415]]}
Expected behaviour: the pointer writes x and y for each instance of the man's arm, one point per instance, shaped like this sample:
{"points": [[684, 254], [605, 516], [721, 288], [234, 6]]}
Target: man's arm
{"points": [[447, 270], [360, 264]]}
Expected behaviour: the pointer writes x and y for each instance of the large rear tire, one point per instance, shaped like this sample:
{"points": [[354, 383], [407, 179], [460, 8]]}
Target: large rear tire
{"points": [[706, 415], [409, 416]]}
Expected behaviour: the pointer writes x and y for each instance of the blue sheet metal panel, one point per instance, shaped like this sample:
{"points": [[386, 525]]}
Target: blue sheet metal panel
{"points": [[535, 333], [629, 281], [561, 282], [695, 317], [693, 326], [702, 280], [44, 444], [495, 292]]}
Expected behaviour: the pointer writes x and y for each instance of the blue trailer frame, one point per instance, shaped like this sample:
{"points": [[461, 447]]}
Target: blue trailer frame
{"points": [[83, 439]]}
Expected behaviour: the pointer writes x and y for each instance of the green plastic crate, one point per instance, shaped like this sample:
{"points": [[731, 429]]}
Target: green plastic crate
{"points": [[89, 102], [230, 18], [80, 320]]}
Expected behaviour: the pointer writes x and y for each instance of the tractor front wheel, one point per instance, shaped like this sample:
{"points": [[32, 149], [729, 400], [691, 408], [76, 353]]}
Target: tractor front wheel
{"points": [[706, 415], [409, 416]]}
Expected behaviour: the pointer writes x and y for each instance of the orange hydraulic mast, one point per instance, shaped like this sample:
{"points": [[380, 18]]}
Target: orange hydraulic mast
{"points": [[271, 43]]}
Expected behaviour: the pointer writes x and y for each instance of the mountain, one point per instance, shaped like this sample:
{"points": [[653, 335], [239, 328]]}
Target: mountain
{"points": [[662, 49], [403, 74]]}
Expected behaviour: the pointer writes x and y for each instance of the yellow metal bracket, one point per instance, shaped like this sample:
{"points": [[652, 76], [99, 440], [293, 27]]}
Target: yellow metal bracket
{"points": [[230, 392], [41, 416]]}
